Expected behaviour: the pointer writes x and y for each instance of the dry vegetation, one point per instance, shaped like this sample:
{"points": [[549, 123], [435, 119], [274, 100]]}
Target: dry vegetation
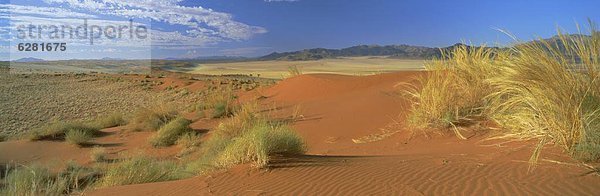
{"points": [[138, 169], [171, 132], [60, 130], [38, 180], [536, 90], [246, 138], [280, 69], [151, 119]]}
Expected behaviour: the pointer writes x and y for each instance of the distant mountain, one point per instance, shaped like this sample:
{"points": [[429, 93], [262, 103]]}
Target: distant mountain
{"points": [[211, 58], [29, 60], [392, 51], [111, 59]]}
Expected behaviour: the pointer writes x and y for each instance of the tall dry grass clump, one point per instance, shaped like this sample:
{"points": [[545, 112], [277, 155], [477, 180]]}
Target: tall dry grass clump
{"points": [[294, 70], [151, 119], [37, 180], [453, 89], [545, 89], [551, 91], [247, 137], [171, 132], [138, 170], [262, 140], [111, 120], [58, 130], [220, 101]]}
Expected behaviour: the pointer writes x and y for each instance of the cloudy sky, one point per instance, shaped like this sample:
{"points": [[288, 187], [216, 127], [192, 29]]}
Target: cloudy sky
{"points": [[192, 28]]}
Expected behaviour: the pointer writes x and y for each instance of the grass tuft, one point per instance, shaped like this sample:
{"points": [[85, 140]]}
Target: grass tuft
{"points": [[151, 119], [79, 136], [98, 154], [37, 180], [170, 133], [246, 138], [294, 71], [112, 120], [453, 89], [58, 130], [551, 90], [138, 170], [546, 89], [257, 144]]}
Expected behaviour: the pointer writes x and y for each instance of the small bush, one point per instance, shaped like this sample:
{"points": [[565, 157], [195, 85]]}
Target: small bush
{"points": [[243, 120], [59, 129], [78, 136], [189, 140], [38, 180], [454, 88], [293, 71], [260, 142], [170, 133], [138, 170], [246, 138], [209, 150], [551, 91], [152, 119], [98, 154], [112, 120], [220, 100]]}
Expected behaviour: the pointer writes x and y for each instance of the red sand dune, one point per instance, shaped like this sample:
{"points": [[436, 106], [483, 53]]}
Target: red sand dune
{"points": [[336, 109]]}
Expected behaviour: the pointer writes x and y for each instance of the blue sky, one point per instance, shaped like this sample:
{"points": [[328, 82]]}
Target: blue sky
{"points": [[191, 28]]}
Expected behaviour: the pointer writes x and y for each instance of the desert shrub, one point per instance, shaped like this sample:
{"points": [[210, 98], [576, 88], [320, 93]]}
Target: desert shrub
{"points": [[189, 143], [453, 89], [220, 100], [33, 180], [209, 150], [551, 91], [98, 154], [170, 133], [243, 119], [59, 129], [78, 136], [189, 140], [246, 138], [138, 170], [151, 119], [112, 120], [293, 70], [257, 144]]}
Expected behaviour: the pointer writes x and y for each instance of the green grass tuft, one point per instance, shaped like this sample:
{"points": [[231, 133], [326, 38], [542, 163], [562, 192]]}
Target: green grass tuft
{"points": [[151, 119], [260, 142], [37, 180], [112, 120], [454, 88], [246, 138], [98, 154], [170, 133], [79, 136], [546, 89], [59, 129], [138, 170]]}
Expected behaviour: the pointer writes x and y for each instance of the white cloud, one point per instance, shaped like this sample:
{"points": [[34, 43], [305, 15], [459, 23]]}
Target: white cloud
{"points": [[202, 22], [54, 12]]}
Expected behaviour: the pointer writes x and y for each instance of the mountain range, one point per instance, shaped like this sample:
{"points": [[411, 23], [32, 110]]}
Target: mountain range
{"points": [[392, 51]]}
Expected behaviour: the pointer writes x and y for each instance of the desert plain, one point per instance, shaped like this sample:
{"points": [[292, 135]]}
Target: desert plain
{"points": [[351, 119]]}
